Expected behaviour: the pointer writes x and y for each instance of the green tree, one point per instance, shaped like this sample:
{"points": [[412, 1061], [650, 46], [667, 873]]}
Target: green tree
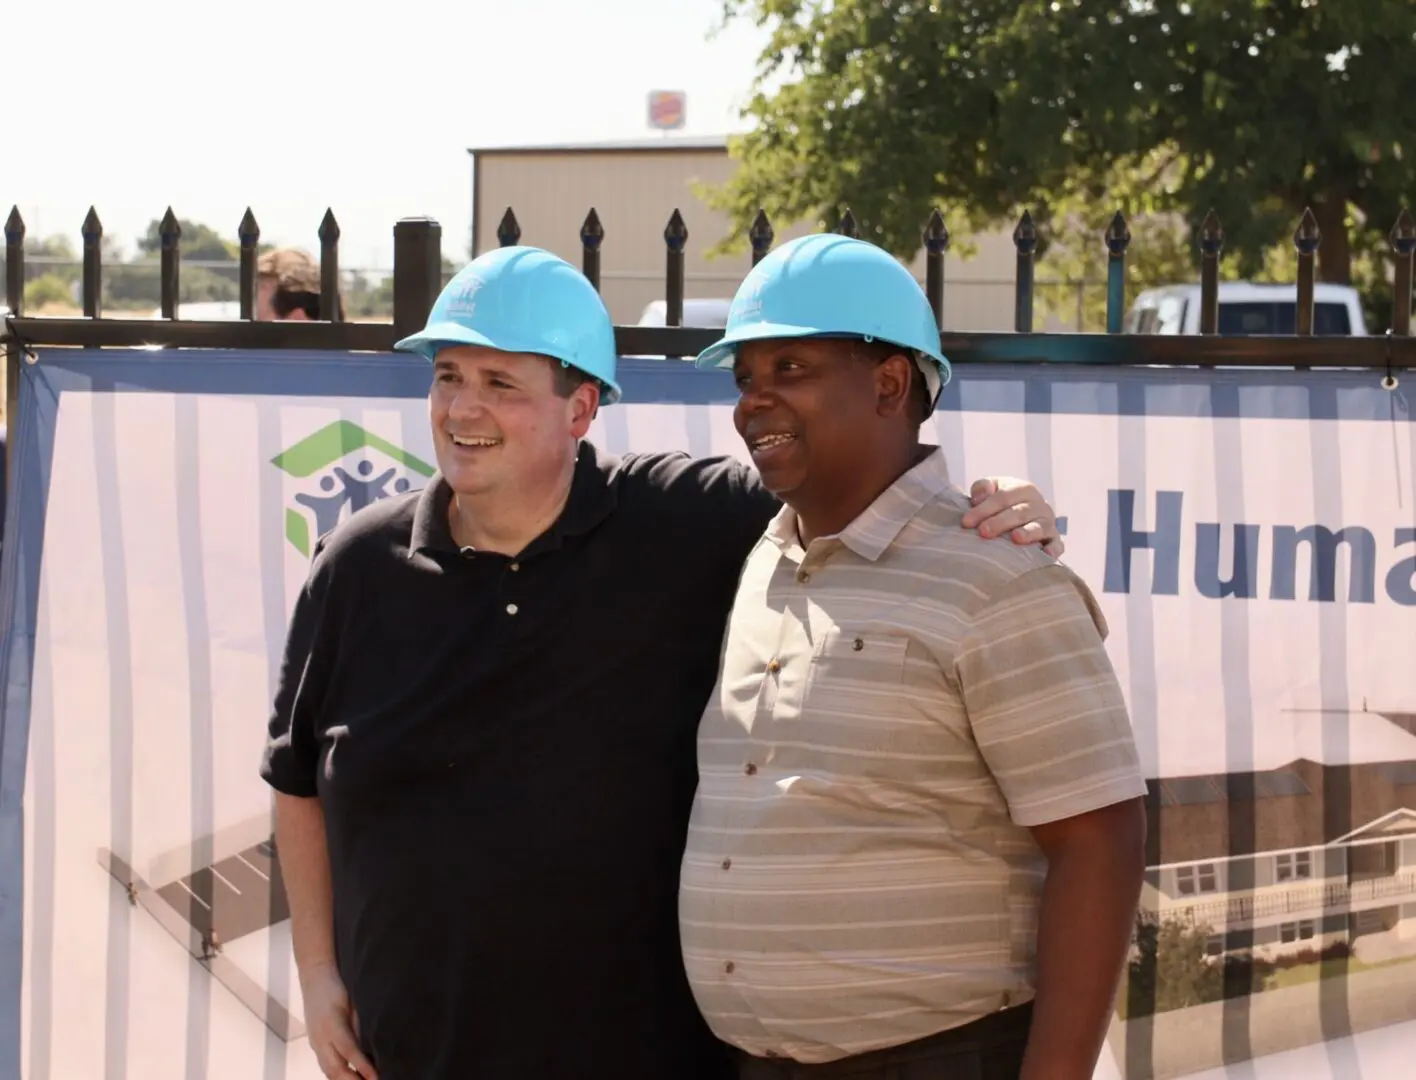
{"points": [[54, 268], [48, 289], [198, 242], [1163, 109], [65, 270], [138, 284], [1170, 969], [364, 299]]}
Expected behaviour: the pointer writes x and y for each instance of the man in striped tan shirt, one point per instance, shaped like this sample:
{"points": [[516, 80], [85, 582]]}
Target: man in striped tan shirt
{"points": [[917, 844]]}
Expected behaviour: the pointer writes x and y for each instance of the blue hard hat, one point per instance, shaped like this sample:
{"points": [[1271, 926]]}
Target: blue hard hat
{"points": [[829, 285], [525, 300]]}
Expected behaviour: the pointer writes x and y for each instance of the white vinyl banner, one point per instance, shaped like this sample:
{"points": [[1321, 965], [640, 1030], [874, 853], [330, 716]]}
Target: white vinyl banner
{"points": [[1251, 537]]}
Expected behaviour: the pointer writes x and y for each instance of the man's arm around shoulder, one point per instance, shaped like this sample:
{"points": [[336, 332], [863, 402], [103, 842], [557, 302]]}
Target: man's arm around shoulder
{"points": [[724, 497], [719, 499]]}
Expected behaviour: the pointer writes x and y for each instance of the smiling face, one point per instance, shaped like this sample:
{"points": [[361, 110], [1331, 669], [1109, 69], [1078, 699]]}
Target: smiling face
{"points": [[809, 406], [818, 413], [505, 422]]}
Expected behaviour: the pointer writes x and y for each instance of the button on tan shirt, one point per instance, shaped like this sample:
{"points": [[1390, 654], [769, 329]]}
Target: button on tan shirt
{"points": [[897, 704]]}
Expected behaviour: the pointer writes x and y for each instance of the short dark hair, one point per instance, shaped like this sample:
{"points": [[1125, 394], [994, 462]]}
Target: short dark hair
{"points": [[877, 352], [566, 379]]}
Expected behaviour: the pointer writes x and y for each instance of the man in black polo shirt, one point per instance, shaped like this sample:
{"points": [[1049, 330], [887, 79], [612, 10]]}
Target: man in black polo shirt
{"points": [[483, 739]]}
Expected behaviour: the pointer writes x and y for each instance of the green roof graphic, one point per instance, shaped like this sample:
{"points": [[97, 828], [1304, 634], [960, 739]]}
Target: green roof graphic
{"points": [[297, 531], [333, 442]]}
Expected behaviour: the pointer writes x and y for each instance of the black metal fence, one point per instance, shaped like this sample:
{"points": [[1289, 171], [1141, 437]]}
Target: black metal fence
{"points": [[131, 287], [417, 278]]}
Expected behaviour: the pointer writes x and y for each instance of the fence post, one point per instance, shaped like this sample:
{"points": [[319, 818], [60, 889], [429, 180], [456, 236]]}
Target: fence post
{"points": [[1118, 239], [15, 301], [329, 269], [936, 243], [15, 262], [92, 289], [1025, 240], [761, 236], [509, 231], [675, 239], [417, 272], [1403, 244], [1306, 239], [249, 233], [592, 234], [1211, 244], [169, 234]]}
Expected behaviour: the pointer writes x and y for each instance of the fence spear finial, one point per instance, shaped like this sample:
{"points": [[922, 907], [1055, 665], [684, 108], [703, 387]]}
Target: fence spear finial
{"points": [[509, 230], [1118, 235], [761, 236]]}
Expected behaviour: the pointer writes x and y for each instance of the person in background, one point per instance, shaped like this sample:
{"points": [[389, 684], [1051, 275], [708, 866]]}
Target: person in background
{"points": [[482, 741], [917, 844], [288, 287]]}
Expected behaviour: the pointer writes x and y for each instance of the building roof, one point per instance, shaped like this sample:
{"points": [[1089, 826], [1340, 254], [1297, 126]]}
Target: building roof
{"points": [[1312, 779], [1334, 738], [650, 145], [1205, 745], [1302, 805]]}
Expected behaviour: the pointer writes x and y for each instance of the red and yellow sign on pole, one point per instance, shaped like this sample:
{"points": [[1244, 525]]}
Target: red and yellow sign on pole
{"points": [[667, 109]]}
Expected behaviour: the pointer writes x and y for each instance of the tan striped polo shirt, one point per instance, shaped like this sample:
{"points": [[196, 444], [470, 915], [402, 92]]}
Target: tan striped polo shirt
{"points": [[897, 704]]}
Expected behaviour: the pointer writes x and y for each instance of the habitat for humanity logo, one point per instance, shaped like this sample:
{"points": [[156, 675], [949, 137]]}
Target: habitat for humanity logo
{"points": [[340, 469]]}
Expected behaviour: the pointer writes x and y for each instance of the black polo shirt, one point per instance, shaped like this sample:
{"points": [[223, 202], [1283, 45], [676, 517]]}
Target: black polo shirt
{"points": [[504, 749]]}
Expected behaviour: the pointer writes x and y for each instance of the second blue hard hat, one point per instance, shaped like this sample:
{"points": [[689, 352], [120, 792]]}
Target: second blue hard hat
{"points": [[829, 285]]}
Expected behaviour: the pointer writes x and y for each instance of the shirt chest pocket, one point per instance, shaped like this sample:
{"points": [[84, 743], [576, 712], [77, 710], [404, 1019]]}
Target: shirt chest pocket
{"points": [[867, 700], [862, 664]]}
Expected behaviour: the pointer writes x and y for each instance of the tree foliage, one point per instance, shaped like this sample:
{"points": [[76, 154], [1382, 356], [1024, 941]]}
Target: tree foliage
{"points": [[1170, 970], [1073, 109], [198, 242], [48, 289]]}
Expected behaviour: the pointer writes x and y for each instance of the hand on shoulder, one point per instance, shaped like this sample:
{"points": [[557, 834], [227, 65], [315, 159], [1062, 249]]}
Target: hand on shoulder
{"points": [[1006, 506]]}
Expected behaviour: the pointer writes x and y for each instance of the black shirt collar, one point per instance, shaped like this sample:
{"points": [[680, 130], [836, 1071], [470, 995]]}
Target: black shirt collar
{"points": [[592, 497]]}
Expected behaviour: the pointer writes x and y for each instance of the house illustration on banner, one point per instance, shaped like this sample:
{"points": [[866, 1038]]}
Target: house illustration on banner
{"points": [[1320, 870], [223, 899], [1297, 870]]}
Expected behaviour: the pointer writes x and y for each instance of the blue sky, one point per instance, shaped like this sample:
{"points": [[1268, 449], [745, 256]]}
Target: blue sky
{"points": [[211, 107]]}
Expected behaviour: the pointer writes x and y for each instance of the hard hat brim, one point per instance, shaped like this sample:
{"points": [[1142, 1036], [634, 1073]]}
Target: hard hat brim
{"points": [[721, 353], [427, 341]]}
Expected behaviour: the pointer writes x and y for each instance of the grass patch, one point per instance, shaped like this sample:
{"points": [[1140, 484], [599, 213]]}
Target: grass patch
{"points": [[1340, 967]]}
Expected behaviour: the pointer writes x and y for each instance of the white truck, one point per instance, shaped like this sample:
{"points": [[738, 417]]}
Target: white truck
{"points": [[1247, 309]]}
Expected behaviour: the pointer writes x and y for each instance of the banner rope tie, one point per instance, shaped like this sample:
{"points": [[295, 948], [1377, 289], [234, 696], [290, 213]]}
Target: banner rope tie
{"points": [[11, 334]]}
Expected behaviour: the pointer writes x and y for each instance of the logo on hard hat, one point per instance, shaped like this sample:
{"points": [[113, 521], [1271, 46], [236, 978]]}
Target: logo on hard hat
{"points": [[752, 303], [463, 302]]}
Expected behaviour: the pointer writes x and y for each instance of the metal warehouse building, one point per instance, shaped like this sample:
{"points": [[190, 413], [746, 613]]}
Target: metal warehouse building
{"points": [[636, 186]]}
